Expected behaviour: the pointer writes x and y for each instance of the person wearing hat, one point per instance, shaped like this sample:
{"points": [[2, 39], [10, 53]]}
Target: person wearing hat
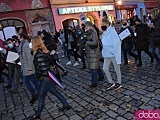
{"points": [[93, 54], [141, 40]]}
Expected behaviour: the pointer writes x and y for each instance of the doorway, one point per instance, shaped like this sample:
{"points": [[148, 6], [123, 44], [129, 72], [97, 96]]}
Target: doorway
{"points": [[70, 22]]}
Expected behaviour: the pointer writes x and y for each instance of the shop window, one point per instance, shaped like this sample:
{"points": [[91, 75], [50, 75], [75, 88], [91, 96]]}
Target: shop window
{"points": [[10, 27]]}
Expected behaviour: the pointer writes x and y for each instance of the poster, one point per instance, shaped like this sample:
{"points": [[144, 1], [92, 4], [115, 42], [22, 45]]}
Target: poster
{"points": [[124, 34], [12, 56]]}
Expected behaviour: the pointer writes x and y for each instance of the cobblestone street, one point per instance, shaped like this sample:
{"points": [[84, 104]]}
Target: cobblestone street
{"points": [[140, 91]]}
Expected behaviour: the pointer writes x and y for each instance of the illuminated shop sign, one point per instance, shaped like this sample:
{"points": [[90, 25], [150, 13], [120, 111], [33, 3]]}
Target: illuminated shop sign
{"points": [[71, 10]]}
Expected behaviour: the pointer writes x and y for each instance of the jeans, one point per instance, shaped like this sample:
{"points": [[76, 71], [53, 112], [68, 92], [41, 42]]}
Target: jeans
{"points": [[125, 51], [153, 51], [107, 62], [31, 83], [48, 85], [95, 74]]}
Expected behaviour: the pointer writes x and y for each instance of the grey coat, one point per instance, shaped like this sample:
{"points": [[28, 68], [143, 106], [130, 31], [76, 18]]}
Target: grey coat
{"points": [[26, 59], [92, 55]]}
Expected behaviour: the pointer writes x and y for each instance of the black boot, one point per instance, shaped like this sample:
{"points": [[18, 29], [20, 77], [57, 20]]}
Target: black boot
{"points": [[152, 59], [93, 86], [34, 118], [139, 64], [65, 108], [34, 98]]}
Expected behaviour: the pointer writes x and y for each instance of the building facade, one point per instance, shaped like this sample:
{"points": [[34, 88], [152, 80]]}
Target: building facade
{"points": [[29, 16], [75, 12], [151, 7], [129, 8]]}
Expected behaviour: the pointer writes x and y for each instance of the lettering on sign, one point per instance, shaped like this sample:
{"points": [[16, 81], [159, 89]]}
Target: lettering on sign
{"points": [[82, 9]]}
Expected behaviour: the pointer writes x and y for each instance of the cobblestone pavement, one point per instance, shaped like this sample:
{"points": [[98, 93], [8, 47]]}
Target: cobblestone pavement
{"points": [[140, 91]]}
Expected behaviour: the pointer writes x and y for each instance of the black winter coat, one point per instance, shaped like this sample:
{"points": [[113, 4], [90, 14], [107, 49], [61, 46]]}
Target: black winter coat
{"points": [[42, 64], [142, 38], [127, 43]]}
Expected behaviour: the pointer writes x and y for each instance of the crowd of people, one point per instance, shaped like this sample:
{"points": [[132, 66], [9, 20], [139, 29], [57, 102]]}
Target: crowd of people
{"points": [[37, 56]]}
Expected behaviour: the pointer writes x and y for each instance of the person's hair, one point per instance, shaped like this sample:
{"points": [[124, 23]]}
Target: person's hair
{"points": [[89, 23], [23, 35], [9, 39], [37, 44], [106, 21]]}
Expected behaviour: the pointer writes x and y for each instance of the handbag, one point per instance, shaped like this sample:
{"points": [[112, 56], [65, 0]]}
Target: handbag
{"points": [[53, 68]]}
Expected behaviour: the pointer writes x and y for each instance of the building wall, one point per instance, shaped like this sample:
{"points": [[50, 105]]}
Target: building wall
{"points": [[22, 4], [55, 4]]}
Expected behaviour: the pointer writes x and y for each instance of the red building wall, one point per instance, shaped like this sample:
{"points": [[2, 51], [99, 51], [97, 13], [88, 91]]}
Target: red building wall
{"points": [[23, 4]]}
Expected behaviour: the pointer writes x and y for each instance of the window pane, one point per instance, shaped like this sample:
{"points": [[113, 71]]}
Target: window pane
{"points": [[4, 23], [18, 23], [9, 32], [10, 22], [1, 35]]}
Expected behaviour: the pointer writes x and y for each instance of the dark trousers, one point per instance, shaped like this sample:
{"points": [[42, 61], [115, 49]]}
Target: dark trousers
{"points": [[48, 85], [14, 72], [3, 73], [83, 54], [96, 73], [75, 54], [129, 52], [146, 51], [60, 66]]}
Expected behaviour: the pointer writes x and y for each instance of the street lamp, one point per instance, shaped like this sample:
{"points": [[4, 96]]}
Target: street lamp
{"points": [[120, 3]]}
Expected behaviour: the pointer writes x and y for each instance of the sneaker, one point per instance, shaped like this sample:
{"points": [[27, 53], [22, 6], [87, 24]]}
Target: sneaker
{"points": [[65, 108], [65, 73], [93, 86], [79, 60], [34, 118], [117, 86], [68, 63], [110, 85], [75, 64], [34, 98]]}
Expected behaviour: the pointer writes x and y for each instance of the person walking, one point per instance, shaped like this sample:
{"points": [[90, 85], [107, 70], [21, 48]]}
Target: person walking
{"points": [[111, 53], [93, 54], [81, 44], [155, 37], [27, 66], [127, 43], [14, 69], [142, 40], [42, 64]]}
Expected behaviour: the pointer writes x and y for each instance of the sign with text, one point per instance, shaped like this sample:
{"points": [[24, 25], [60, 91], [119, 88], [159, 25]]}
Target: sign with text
{"points": [[81, 9]]}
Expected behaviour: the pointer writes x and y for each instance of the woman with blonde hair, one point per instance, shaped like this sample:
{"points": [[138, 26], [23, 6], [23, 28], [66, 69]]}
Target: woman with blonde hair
{"points": [[42, 64]]}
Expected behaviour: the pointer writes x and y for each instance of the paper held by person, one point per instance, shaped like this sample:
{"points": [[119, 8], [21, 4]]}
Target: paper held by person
{"points": [[124, 34], [12, 56]]}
